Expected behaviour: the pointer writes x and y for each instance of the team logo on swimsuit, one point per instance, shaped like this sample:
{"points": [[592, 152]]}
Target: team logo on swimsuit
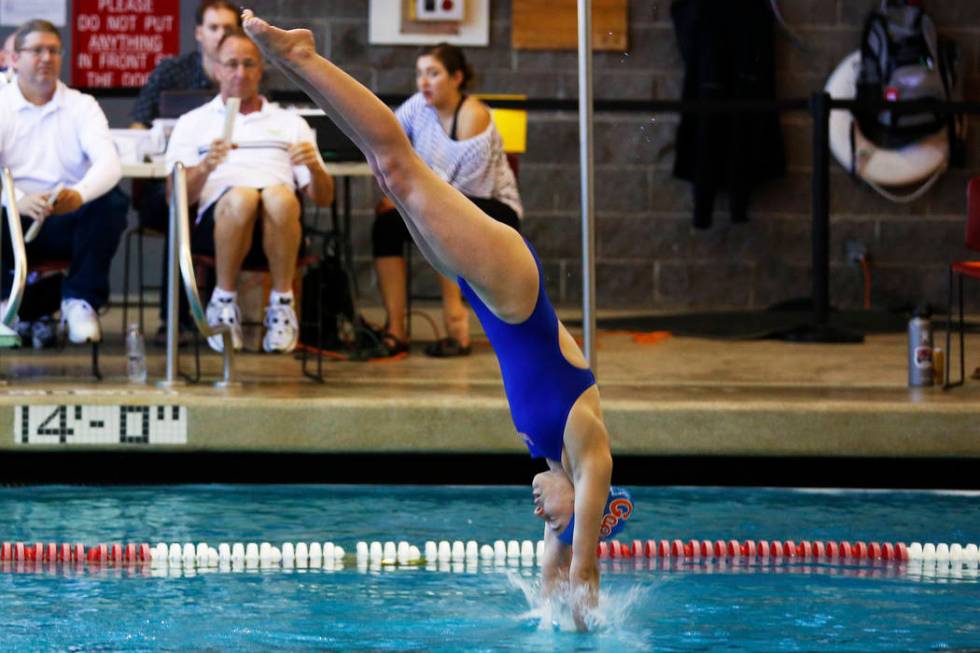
{"points": [[619, 508]]}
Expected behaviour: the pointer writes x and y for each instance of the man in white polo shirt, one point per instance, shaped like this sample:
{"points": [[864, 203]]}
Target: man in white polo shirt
{"points": [[52, 136], [6, 59], [246, 190]]}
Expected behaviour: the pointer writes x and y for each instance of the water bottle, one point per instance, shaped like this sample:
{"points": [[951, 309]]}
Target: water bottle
{"points": [[135, 355], [920, 348]]}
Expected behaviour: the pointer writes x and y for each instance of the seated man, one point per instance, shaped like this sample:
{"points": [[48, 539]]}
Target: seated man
{"points": [[6, 59], [246, 190], [193, 71], [52, 136]]}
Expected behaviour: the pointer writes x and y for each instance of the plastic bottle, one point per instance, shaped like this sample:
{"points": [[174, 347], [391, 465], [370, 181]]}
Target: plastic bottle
{"points": [[135, 355], [920, 348]]}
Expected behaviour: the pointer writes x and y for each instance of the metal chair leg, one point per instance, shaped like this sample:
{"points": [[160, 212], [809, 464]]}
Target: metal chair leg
{"points": [[95, 361], [139, 275], [949, 330], [318, 377], [125, 311], [408, 291], [962, 332]]}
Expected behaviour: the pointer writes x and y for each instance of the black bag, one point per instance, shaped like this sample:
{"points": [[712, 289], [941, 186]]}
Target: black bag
{"points": [[902, 60], [328, 302], [330, 318]]}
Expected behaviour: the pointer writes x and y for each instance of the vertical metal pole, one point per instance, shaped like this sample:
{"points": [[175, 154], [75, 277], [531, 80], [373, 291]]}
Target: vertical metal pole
{"points": [[585, 162], [173, 246], [820, 110]]}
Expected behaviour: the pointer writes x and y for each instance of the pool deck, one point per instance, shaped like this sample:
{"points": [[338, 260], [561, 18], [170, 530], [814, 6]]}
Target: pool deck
{"points": [[686, 397]]}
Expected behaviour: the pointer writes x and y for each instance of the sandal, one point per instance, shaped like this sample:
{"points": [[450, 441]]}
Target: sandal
{"points": [[446, 348], [392, 346]]}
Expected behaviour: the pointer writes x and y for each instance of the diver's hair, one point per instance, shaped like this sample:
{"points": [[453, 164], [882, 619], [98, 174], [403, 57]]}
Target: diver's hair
{"points": [[452, 58], [32, 26]]}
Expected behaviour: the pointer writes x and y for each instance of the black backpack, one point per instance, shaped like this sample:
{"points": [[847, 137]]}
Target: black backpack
{"points": [[902, 59], [330, 318]]}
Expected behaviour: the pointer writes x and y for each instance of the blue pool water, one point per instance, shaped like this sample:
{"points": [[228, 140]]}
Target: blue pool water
{"points": [[692, 608]]}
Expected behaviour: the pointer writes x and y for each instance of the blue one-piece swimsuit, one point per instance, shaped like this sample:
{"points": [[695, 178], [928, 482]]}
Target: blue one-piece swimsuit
{"points": [[541, 385]]}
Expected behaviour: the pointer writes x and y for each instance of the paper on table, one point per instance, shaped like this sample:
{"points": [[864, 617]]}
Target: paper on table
{"points": [[36, 227], [231, 110]]}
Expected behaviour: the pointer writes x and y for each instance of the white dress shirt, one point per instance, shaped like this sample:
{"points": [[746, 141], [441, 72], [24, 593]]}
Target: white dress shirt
{"points": [[260, 157], [64, 141]]}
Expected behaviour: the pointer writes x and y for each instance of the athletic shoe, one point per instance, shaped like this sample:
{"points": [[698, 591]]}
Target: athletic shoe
{"points": [[225, 312], [80, 321], [282, 328], [44, 333], [19, 326]]}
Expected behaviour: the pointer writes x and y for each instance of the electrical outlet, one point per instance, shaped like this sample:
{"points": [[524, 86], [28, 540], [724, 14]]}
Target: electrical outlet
{"points": [[443, 10], [855, 251]]}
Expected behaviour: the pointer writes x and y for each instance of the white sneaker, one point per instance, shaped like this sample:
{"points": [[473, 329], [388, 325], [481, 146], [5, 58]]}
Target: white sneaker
{"points": [[225, 312], [80, 321], [282, 328]]}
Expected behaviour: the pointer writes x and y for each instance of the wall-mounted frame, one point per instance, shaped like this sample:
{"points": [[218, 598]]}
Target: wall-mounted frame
{"points": [[390, 24]]}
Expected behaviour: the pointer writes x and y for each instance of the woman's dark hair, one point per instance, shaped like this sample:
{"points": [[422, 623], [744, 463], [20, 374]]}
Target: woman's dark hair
{"points": [[452, 58]]}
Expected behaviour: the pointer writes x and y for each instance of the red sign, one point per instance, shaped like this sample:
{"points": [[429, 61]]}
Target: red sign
{"points": [[118, 43]]}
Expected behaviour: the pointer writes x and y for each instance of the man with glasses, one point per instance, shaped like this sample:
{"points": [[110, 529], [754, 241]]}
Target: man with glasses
{"points": [[6, 59], [189, 72], [53, 137], [192, 71], [245, 190]]}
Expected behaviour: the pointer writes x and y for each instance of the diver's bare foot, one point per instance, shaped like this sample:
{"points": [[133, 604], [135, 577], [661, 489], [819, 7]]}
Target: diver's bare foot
{"points": [[294, 45]]}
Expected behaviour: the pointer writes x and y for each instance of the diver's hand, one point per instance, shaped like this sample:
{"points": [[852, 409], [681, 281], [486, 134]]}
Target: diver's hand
{"points": [[584, 584]]}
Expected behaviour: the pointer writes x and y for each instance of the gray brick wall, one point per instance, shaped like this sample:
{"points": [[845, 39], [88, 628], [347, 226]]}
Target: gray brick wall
{"points": [[649, 256]]}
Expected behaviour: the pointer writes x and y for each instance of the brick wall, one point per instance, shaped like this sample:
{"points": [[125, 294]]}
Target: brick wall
{"points": [[649, 257]]}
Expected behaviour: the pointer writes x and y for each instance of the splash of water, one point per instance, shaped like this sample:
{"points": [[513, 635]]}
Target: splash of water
{"points": [[610, 616]]}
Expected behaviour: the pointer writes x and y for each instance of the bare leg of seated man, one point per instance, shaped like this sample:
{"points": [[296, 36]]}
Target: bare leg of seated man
{"points": [[234, 223], [278, 211], [281, 235]]}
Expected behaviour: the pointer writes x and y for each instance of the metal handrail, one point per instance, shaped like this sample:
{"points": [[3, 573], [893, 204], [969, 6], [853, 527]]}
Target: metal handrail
{"points": [[180, 247], [20, 253]]}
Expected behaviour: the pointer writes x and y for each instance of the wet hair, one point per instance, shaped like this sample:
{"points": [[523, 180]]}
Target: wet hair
{"points": [[237, 34], [216, 4], [452, 58], [32, 26]]}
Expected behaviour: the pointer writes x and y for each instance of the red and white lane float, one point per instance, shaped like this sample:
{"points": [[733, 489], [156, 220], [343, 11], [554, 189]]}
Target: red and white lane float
{"points": [[662, 554]]}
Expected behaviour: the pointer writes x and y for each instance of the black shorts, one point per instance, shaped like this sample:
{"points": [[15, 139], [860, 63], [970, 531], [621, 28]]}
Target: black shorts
{"points": [[389, 233], [202, 240]]}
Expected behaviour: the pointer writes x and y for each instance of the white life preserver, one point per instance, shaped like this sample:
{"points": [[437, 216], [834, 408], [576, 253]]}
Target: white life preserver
{"points": [[919, 162]]}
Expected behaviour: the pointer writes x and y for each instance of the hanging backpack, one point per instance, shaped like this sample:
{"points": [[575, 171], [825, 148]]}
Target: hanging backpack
{"points": [[330, 321], [901, 61]]}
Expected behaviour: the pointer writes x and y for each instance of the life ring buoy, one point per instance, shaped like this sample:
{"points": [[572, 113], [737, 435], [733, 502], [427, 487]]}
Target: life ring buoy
{"points": [[921, 161]]}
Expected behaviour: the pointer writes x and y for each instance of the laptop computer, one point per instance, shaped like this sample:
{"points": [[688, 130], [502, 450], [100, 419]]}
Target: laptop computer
{"points": [[174, 104], [333, 144]]}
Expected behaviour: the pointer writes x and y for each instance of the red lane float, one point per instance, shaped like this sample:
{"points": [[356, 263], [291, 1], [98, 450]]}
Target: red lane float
{"points": [[703, 549]]}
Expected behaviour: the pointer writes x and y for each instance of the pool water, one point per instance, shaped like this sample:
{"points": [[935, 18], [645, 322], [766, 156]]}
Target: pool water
{"points": [[695, 607]]}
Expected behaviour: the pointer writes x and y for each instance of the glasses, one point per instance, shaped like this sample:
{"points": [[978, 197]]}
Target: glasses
{"points": [[232, 64], [40, 50]]}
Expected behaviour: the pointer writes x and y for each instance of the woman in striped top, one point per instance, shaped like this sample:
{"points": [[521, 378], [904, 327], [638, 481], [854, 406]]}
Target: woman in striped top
{"points": [[455, 136]]}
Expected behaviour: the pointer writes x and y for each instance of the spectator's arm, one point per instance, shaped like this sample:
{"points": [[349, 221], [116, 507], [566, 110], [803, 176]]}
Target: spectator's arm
{"points": [[308, 167], [92, 131], [183, 148]]}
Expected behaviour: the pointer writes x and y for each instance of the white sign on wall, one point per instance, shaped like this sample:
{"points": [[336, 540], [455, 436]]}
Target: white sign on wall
{"points": [[386, 25], [18, 12]]}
